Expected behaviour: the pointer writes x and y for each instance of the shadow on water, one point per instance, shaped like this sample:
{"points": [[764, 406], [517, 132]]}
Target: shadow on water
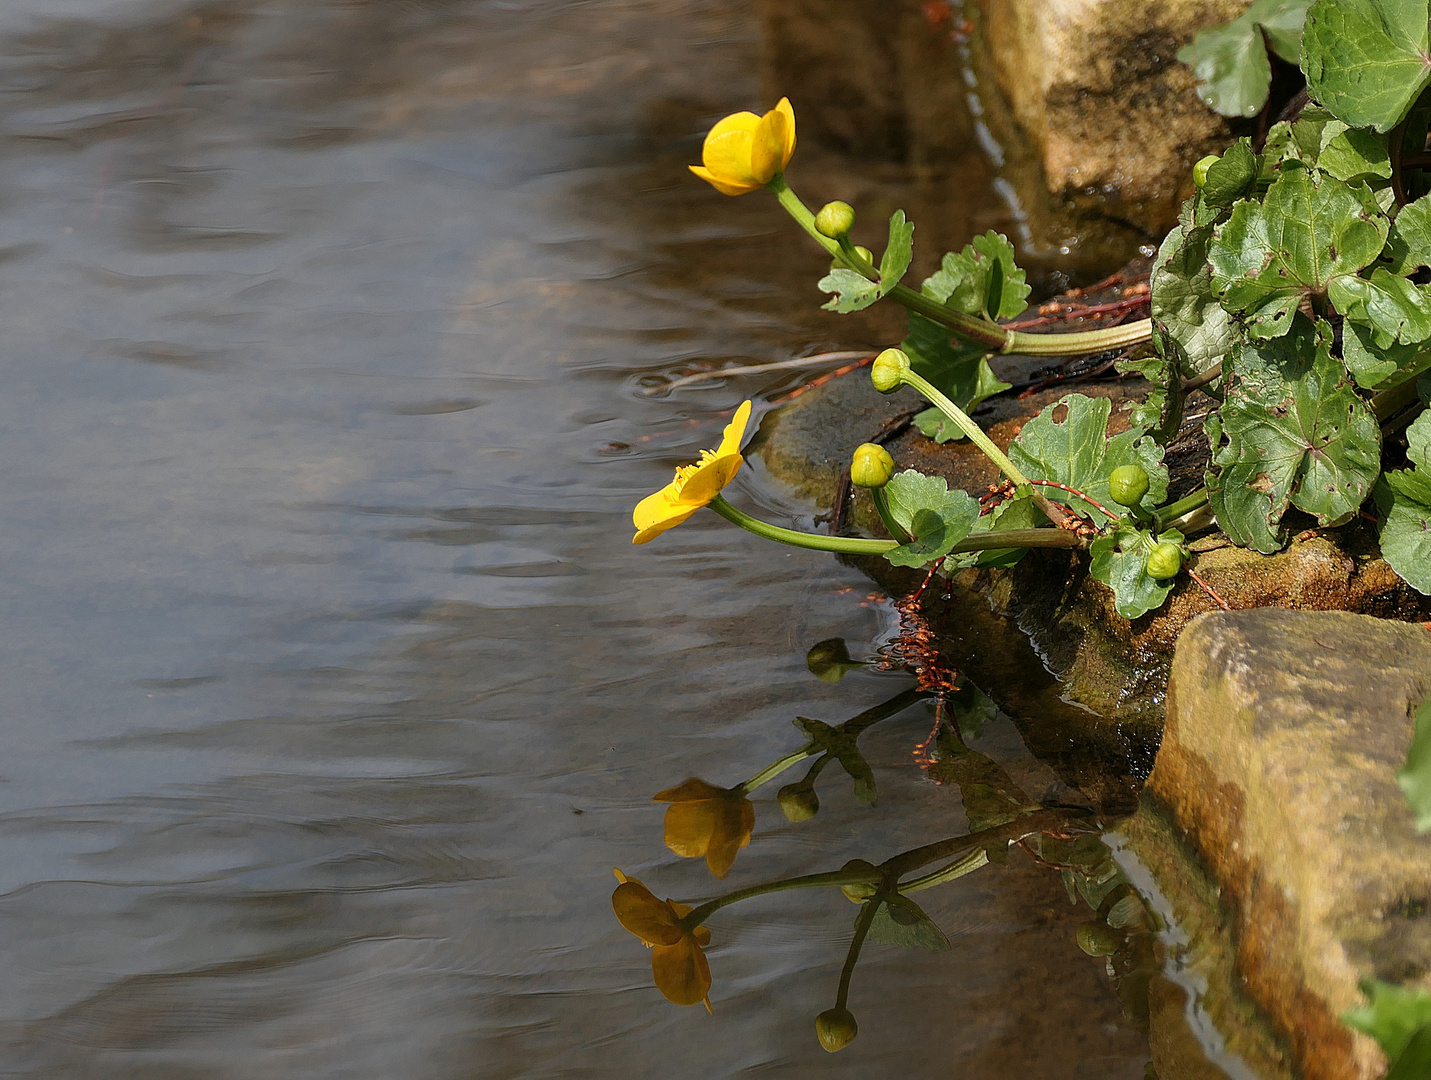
{"points": [[334, 688]]}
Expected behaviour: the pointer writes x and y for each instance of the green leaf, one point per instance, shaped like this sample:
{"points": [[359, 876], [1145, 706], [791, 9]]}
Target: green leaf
{"points": [[1372, 364], [897, 253], [1415, 775], [1414, 1063], [1017, 513], [1404, 498], [1183, 301], [1392, 1016], [1409, 244], [1079, 453], [900, 921], [1367, 60], [1119, 560], [1231, 62], [853, 292], [1309, 229], [932, 421], [1230, 176], [983, 279], [1396, 309], [958, 370], [1296, 433], [1353, 153], [936, 517]]}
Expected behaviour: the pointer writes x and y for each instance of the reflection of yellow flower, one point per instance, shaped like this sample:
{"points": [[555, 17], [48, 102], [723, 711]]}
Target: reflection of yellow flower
{"points": [[706, 820], [694, 486], [677, 962], [744, 152]]}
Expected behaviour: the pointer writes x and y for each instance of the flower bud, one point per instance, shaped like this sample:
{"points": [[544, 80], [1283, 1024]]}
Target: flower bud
{"points": [[889, 370], [871, 466], [836, 1029], [1200, 169], [798, 803], [1128, 484], [1098, 938], [864, 253], [1164, 561], [835, 220], [859, 893]]}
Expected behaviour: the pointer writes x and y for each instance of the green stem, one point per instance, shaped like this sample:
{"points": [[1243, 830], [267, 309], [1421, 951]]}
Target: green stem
{"points": [[983, 442], [988, 334], [863, 921], [957, 869], [774, 769], [894, 528], [1163, 515], [850, 545]]}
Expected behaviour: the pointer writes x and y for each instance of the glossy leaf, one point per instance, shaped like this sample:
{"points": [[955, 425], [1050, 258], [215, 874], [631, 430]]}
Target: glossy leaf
{"points": [[1230, 61], [932, 421], [1309, 229], [1392, 1015], [1183, 301], [1367, 60], [1231, 175], [1404, 498], [1397, 310], [853, 292], [1372, 364], [957, 369], [900, 921], [1409, 244], [1119, 560], [985, 270], [897, 253], [1079, 453], [936, 517], [1296, 434]]}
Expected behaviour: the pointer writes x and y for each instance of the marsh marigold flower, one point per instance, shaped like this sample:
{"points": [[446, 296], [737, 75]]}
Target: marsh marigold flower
{"points": [[707, 820], [677, 962], [744, 152], [694, 486]]}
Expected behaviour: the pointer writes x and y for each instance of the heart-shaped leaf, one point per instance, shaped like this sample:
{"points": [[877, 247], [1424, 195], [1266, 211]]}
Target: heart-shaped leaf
{"points": [[1367, 60], [934, 516], [1120, 561]]}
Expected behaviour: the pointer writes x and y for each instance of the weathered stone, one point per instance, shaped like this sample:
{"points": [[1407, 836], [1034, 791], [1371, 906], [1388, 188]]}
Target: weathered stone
{"points": [[1096, 86], [1284, 733], [1113, 666]]}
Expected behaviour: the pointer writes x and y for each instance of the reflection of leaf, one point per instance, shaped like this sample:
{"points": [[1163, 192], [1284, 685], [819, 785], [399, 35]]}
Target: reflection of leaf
{"points": [[1079, 453], [989, 795], [970, 709], [1309, 229], [936, 517], [1415, 775], [1119, 560], [1404, 498], [1367, 60], [1296, 433], [1230, 61], [842, 746], [900, 921], [1393, 1016], [983, 279]]}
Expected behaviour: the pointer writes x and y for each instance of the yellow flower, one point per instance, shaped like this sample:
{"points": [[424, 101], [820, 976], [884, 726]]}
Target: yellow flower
{"points": [[744, 152], [694, 486], [677, 962], [706, 820]]}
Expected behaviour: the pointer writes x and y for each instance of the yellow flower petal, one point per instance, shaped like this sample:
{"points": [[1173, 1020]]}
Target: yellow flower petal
{"points": [[733, 826], [651, 920], [656, 513], [709, 479], [734, 432], [720, 185], [728, 157], [741, 121], [689, 826], [694, 486], [767, 146], [681, 971], [686, 790]]}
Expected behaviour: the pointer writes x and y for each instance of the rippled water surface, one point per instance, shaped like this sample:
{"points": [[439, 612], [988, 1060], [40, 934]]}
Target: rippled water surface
{"points": [[333, 687]]}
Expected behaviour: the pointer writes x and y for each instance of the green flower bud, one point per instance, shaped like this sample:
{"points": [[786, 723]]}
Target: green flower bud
{"points": [[835, 220], [1128, 484], [836, 1029], [1098, 939], [858, 894], [889, 370], [1200, 169], [798, 803], [871, 466], [1164, 561]]}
